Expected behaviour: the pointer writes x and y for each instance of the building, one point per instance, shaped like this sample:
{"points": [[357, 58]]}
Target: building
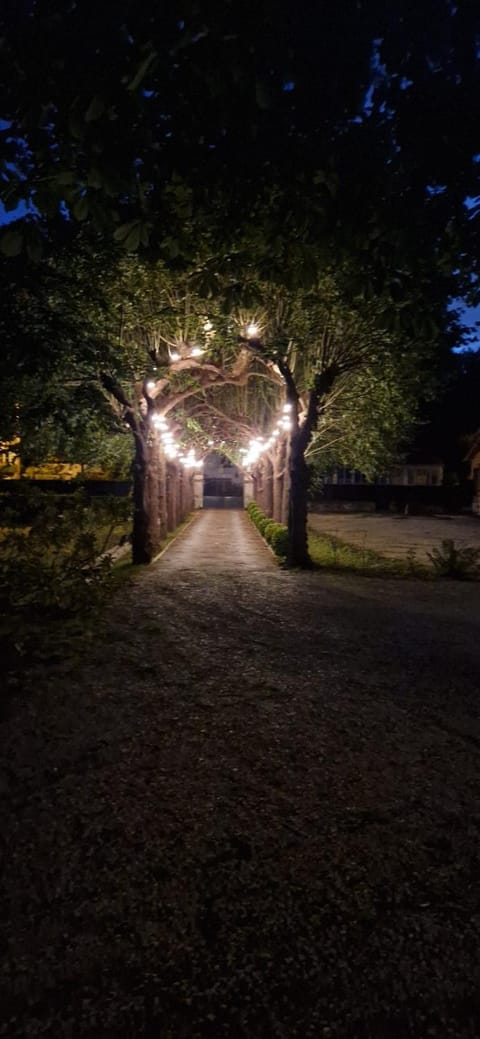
{"points": [[417, 471]]}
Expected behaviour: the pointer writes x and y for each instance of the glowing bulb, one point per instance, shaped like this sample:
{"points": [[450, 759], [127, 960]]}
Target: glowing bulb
{"points": [[252, 331]]}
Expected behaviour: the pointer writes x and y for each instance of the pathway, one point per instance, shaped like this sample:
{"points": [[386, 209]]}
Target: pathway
{"points": [[221, 540], [250, 810]]}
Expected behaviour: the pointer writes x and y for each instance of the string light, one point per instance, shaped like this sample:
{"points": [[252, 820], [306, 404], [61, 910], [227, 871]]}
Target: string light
{"points": [[259, 444], [252, 330]]}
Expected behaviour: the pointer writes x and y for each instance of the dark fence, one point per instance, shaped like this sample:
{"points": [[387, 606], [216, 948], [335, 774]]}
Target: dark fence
{"points": [[213, 501], [395, 497]]}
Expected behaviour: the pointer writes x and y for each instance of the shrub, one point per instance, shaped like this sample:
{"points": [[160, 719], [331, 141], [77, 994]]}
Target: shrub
{"points": [[256, 512], [51, 577], [269, 530], [263, 523], [279, 540], [450, 561]]}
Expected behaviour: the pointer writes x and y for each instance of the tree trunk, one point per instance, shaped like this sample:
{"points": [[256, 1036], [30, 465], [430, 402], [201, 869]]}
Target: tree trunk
{"points": [[285, 496], [162, 493], [140, 551], [171, 496], [147, 534], [298, 505], [268, 487], [154, 536]]}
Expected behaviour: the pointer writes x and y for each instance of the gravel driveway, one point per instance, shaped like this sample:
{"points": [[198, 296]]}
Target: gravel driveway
{"points": [[396, 536], [254, 811]]}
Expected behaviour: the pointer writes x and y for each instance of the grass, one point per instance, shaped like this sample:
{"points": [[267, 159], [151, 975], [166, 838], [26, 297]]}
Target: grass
{"points": [[331, 553]]}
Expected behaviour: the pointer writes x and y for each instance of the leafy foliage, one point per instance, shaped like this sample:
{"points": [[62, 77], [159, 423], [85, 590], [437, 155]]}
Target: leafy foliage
{"points": [[53, 570], [451, 561], [275, 534]]}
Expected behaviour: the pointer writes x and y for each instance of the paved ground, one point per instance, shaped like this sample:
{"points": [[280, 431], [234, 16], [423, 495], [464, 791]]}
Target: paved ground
{"points": [[219, 539], [395, 536], [252, 811]]}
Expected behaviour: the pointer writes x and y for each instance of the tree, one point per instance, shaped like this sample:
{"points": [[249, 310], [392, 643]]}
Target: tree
{"points": [[341, 370]]}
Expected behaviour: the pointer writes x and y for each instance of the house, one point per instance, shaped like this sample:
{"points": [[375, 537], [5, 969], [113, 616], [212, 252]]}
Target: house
{"points": [[417, 471]]}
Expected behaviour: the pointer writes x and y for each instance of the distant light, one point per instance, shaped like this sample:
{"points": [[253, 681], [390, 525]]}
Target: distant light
{"points": [[197, 351], [150, 385], [208, 326], [175, 356], [287, 407], [211, 443], [252, 331], [288, 86]]}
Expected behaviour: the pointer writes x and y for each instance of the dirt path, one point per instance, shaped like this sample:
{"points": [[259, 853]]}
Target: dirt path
{"points": [[255, 812], [221, 540]]}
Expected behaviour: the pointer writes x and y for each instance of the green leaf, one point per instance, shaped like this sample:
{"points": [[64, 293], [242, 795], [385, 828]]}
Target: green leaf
{"points": [[132, 241], [81, 207], [142, 71], [11, 243], [95, 109], [94, 178], [65, 177], [34, 245], [121, 233]]}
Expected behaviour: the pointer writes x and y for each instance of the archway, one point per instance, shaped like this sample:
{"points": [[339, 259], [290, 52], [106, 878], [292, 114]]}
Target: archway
{"points": [[222, 483]]}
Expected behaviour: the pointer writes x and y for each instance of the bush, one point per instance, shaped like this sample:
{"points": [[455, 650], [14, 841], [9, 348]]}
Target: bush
{"points": [[460, 563], [276, 534], [262, 524], [279, 540], [252, 507], [269, 530], [51, 576]]}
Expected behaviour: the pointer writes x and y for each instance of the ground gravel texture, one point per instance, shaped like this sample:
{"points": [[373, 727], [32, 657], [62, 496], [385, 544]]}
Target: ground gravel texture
{"points": [[254, 811]]}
